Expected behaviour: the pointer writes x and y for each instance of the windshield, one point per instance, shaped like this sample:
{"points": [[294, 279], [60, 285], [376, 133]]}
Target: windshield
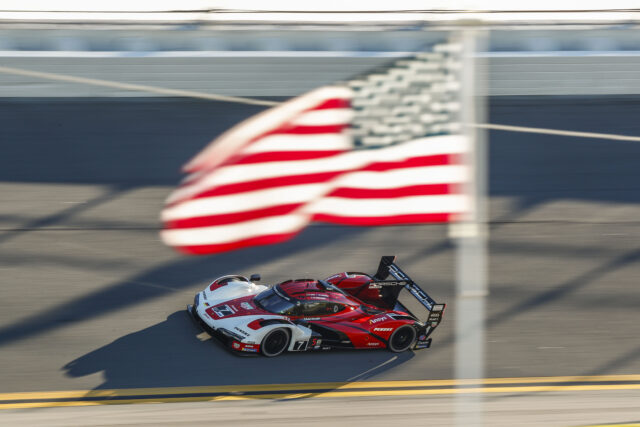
{"points": [[270, 300]]}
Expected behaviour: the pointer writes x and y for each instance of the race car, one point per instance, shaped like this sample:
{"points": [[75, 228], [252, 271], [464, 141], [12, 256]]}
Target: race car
{"points": [[346, 310]]}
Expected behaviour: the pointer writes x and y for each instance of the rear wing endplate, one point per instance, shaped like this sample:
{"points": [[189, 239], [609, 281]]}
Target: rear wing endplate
{"points": [[388, 267]]}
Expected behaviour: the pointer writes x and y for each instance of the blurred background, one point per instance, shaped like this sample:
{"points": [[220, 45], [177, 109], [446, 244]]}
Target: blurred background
{"points": [[91, 300]]}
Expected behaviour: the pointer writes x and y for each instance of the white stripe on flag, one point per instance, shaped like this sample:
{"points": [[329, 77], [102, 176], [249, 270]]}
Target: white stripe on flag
{"points": [[232, 140], [231, 233], [351, 160], [396, 178], [236, 203], [332, 116], [300, 143], [450, 203], [259, 199], [232, 174]]}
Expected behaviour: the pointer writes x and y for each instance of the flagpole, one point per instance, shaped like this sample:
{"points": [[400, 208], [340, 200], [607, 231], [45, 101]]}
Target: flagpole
{"points": [[471, 240]]}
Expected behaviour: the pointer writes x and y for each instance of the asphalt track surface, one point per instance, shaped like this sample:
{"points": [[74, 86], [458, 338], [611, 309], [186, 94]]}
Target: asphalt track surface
{"points": [[90, 299]]}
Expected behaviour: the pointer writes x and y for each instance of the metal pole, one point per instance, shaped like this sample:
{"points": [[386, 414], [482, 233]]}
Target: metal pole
{"points": [[471, 237]]}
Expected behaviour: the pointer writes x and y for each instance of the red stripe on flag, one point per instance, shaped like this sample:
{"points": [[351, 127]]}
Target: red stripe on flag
{"points": [[332, 103], [307, 130], [223, 247], [283, 156], [289, 129], [230, 218], [383, 220], [387, 193], [436, 160], [262, 184], [281, 181]]}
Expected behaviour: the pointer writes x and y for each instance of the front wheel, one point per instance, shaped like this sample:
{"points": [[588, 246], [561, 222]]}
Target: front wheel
{"points": [[402, 339], [275, 342]]}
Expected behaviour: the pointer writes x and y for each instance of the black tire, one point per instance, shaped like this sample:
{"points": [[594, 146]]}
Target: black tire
{"points": [[275, 342], [402, 339]]}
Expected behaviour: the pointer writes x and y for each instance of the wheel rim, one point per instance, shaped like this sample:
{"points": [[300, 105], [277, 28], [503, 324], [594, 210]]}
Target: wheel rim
{"points": [[275, 343], [403, 338]]}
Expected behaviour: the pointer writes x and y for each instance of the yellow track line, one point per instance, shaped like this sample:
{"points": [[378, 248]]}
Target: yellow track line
{"points": [[306, 386], [290, 391], [362, 393], [615, 425]]}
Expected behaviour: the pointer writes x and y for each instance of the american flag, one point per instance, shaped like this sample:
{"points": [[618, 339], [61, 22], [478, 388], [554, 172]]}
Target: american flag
{"points": [[383, 148]]}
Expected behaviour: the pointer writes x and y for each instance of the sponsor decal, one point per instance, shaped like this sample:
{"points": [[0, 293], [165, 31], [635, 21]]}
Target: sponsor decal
{"points": [[424, 344], [246, 306], [314, 295], [422, 337], [378, 319], [315, 342], [383, 329], [378, 285], [250, 347], [245, 333], [420, 295], [374, 344]]}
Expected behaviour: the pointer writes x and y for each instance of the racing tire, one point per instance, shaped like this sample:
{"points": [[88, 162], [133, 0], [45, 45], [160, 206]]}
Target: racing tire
{"points": [[402, 339], [275, 342]]}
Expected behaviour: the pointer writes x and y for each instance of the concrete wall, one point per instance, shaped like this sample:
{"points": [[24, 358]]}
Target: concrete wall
{"points": [[286, 63], [513, 74]]}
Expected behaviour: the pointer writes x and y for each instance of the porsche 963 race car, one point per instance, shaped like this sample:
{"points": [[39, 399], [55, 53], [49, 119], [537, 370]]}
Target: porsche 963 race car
{"points": [[346, 310]]}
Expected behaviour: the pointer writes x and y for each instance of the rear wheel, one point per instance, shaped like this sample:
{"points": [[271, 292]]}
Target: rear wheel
{"points": [[275, 342], [402, 338]]}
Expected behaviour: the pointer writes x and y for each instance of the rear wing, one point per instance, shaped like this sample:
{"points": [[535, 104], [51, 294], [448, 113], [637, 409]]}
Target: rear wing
{"points": [[386, 268]]}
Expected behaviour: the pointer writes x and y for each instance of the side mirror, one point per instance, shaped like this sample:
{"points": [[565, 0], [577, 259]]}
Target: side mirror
{"points": [[254, 278]]}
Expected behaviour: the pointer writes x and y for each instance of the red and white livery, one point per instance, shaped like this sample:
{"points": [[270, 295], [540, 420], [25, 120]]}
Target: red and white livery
{"points": [[346, 310]]}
